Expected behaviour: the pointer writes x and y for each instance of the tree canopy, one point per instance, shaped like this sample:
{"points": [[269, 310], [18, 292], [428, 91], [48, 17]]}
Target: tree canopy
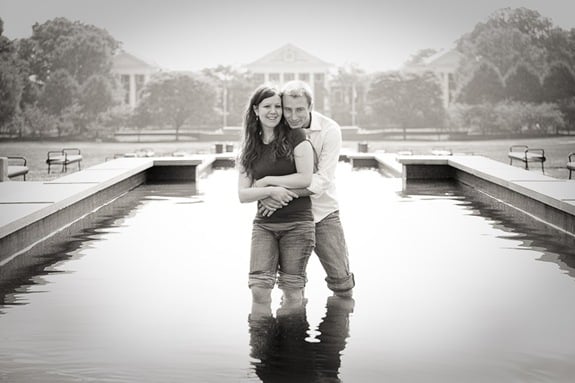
{"points": [[409, 101], [176, 99], [82, 50]]}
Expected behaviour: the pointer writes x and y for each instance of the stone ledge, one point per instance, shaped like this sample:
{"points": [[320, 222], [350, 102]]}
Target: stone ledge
{"points": [[548, 191]]}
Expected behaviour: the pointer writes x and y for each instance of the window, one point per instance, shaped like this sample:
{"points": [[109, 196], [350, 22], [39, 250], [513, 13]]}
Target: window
{"points": [[140, 82], [274, 77], [304, 77], [259, 78], [125, 83], [289, 56], [289, 77]]}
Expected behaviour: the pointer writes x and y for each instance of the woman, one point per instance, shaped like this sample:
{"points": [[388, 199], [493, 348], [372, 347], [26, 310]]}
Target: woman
{"points": [[275, 158]]}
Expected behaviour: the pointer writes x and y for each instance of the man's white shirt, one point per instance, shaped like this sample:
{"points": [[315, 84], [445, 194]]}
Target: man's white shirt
{"points": [[325, 136]]}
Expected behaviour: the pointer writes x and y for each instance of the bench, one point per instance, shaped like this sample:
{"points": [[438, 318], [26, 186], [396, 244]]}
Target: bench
{"points": [[64, 157], [524, 154], [441, 152], [571, 163], [17, 167]]}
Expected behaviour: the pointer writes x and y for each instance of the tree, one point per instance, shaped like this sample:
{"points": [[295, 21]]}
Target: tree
{"points": [[10, 92], [234, 89], [409, 101], [510, 37], [176, 99], [97, 96], [60, 99], [559, 84], [523, 85], [348, 95], [485, 85], [60, 92], [560, 47], [10, 80], [83, 50]]}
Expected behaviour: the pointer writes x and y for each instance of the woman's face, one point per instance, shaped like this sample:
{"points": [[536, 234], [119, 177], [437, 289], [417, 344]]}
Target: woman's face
{"points": [[269, 111]]}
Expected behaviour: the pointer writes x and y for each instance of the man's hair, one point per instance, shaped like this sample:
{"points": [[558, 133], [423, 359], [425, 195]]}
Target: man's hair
{"points": [[297, 88]]}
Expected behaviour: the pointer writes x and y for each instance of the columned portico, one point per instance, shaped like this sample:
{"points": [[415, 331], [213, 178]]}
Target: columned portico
{"points": [[133, 74], [292, 63], [443, 65]]}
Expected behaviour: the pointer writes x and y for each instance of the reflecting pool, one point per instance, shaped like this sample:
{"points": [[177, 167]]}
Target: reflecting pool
{"points": [[451, 287]]}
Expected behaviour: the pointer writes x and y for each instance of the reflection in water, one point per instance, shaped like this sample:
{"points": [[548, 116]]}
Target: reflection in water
{"points": [[283, 351], [26, 270], [454, 282], [557, 246]]}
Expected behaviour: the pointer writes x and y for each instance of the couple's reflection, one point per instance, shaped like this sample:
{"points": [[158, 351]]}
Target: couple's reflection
{"points": [[284, 355]]}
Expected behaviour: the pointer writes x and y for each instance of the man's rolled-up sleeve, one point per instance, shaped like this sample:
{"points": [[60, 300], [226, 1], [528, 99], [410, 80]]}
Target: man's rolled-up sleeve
{"points": [[327, 162]]}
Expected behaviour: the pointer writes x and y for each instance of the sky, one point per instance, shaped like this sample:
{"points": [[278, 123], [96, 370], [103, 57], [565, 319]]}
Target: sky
{"points": [[375, 35]]}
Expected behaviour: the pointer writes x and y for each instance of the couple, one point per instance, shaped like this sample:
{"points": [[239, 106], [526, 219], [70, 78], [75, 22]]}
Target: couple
{"points": [[297, 207]]}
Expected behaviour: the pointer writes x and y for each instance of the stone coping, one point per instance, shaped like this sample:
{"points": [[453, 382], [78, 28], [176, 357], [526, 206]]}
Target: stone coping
{"points": [[22, 203], [551, 191]]}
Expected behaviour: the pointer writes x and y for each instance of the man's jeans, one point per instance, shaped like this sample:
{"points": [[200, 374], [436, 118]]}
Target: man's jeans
{"points": [[331, 249], [286, 249]]}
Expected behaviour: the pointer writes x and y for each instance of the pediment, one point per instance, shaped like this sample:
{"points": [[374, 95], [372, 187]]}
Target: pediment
{"points": [[124, 61], [288, 56]]}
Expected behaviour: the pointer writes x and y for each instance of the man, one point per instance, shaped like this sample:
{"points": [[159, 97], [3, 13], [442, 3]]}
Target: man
{"points": [[325, 136]]}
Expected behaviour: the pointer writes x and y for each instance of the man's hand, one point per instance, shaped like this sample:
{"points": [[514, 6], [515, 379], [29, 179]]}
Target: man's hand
{"points": [[279, 197], [268, 206]]}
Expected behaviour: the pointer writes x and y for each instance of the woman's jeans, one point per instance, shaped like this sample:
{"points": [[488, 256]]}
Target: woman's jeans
{"points": [[284, 247], [331, 250]]}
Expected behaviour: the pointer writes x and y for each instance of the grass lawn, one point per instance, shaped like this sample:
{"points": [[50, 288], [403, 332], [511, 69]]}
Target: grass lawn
{"points": [[556, 151]]}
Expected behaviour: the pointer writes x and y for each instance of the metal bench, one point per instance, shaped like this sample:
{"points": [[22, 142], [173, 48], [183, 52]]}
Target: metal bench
{"points": [[524, 154], [64, 157], [441, 152], [571, 163], [17, 166]]}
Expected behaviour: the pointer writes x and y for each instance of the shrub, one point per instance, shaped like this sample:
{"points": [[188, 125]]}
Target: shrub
{"points": [[506, 117]]}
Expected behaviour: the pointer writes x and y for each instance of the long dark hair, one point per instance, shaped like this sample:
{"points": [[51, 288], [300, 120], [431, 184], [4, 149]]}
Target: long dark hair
{"points": [[252, 146]]}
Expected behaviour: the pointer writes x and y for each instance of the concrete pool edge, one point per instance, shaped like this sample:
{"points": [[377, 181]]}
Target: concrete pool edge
{"points": [[32, 211], [548, 199]]}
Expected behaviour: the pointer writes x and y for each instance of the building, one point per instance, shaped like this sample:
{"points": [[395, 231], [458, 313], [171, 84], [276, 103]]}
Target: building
{"points": [[132, 73], [443, 64], [292, 63]]}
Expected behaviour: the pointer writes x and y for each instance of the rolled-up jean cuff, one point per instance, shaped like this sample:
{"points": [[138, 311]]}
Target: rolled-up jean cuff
{"points": [[264, 280], [290, 281], [341, 284]]}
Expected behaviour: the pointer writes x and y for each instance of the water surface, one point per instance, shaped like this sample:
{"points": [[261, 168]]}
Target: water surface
{"points": [[451, 287]]}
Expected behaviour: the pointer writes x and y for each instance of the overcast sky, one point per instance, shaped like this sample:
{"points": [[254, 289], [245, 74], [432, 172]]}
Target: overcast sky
{"points": [[183, 34]]}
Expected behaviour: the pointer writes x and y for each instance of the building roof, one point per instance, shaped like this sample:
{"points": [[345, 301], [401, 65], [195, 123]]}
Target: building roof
{"points": [[126, 62], [442, 61], [289, 58]]}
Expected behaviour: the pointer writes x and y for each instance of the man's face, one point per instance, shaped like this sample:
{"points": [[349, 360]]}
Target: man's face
{"points": [[296, 111]]}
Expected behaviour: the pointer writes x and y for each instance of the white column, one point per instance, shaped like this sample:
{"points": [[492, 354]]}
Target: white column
{"points": [[326, 105], [312, 83], [4, 169], [132, 97], [445, 89]]}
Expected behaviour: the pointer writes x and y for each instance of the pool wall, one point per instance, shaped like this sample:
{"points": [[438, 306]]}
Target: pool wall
{"points": [[548, 199], [32, 211]]}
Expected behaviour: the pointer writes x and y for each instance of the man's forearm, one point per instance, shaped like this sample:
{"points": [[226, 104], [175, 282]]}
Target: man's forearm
{"points": [[302, 192]]}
